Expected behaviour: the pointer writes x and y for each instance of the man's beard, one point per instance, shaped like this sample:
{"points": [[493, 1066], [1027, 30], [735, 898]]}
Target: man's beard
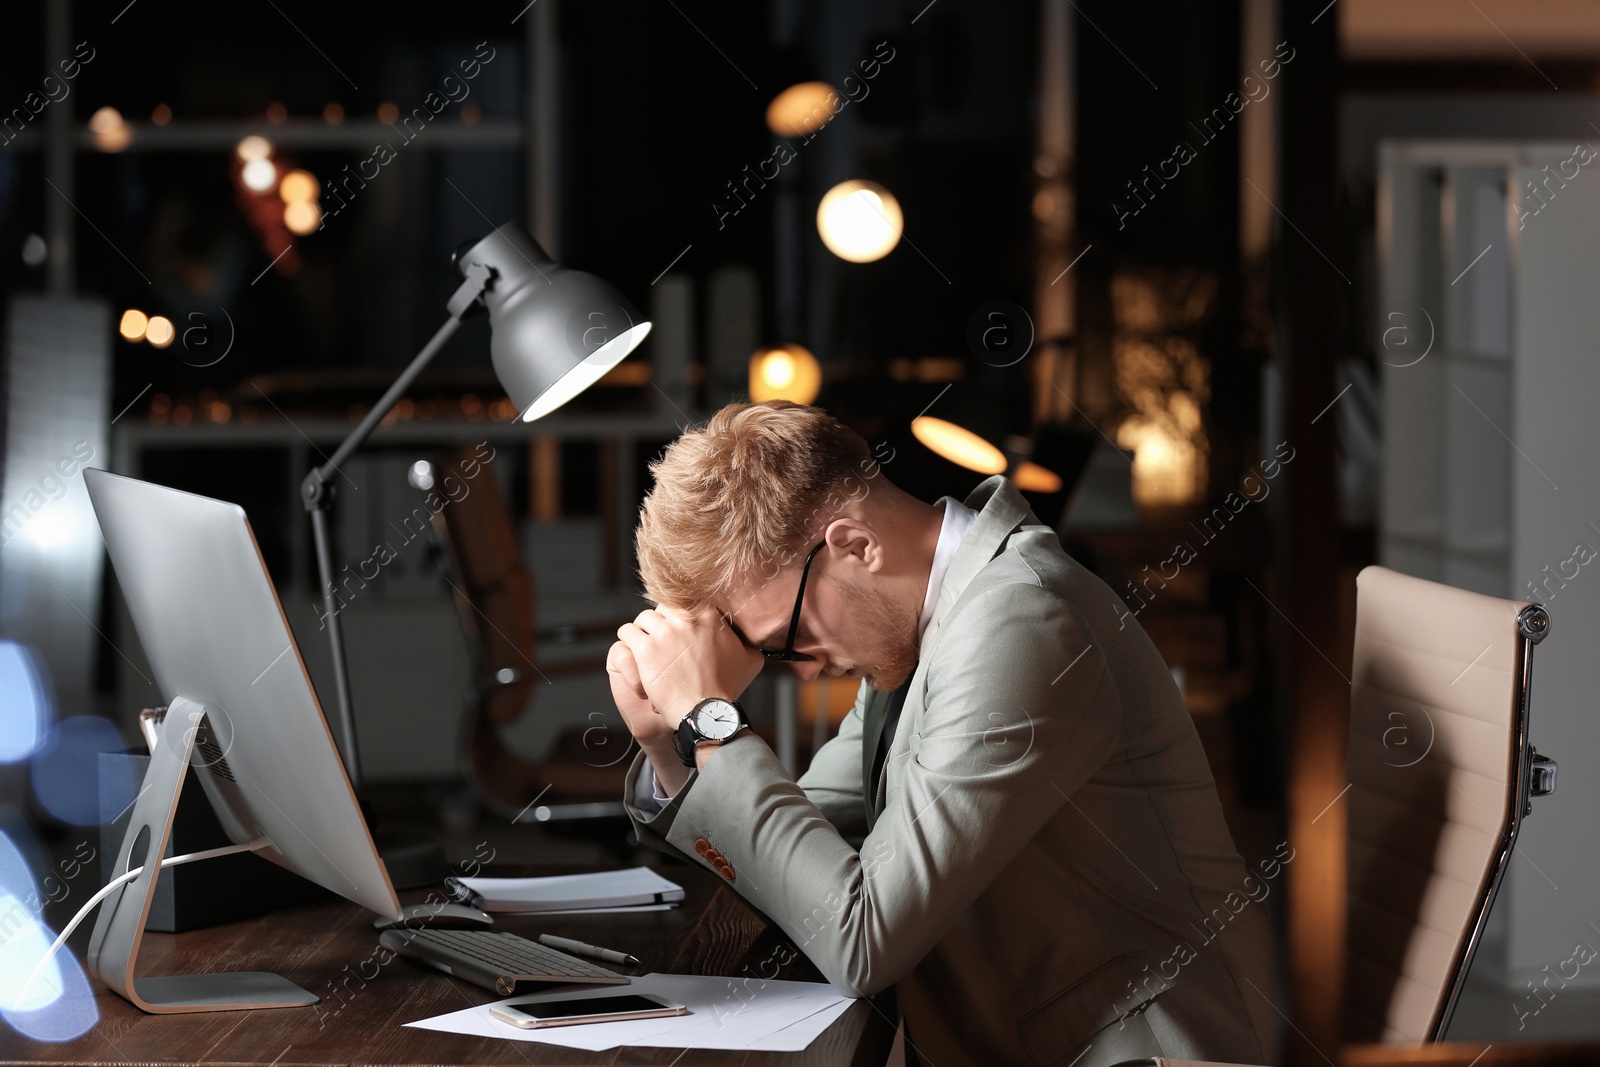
{"points": [[894, 658]]}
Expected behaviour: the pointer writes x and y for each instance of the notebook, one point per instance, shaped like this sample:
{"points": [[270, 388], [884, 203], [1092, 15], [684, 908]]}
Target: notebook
{"points": [[631, 887]]}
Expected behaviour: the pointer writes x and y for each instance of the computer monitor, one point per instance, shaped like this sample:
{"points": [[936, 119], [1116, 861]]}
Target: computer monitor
{"points": [[241, 711]]}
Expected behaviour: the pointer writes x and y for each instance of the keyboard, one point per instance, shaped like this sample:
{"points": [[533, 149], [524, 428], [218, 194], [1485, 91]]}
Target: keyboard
{"points": [[496, 960]]}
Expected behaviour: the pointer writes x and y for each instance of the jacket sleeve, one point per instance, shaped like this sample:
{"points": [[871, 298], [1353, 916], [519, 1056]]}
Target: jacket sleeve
{"points": [[833, 782], [651, 820], [1016, 717]]}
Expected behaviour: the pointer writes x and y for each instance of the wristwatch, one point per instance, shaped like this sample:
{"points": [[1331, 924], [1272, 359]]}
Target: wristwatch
{"points": [[713, 719]]}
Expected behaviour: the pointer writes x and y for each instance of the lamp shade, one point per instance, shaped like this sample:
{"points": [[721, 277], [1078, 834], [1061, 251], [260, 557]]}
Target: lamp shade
{"points": [[556, 331], [958, 444]]}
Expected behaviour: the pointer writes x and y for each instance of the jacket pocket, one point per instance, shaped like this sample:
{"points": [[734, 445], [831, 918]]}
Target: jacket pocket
{"points": [[1089, 1003]]}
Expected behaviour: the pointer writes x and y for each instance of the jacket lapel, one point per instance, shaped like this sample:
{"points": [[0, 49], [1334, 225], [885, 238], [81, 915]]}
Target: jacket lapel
{"points": [[1000, 510]]}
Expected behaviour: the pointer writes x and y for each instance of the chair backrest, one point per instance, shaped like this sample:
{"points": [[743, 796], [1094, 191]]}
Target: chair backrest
{"points": [[1439, 768], [492, 589]]}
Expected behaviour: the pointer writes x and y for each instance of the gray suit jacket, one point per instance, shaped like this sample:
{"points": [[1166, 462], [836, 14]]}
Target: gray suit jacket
{"points": [[1043, 867]]}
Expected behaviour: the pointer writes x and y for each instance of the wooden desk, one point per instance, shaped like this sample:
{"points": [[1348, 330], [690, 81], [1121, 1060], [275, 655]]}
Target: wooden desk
{"points": [[328, 948]]}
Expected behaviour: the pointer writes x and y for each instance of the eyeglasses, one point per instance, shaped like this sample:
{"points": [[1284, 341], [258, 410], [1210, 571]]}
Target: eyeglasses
{"points": [[789, 655]]}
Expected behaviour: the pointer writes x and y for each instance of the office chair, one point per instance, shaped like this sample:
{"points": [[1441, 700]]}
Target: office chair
{"points": [[493, 592], [1442, 774]]}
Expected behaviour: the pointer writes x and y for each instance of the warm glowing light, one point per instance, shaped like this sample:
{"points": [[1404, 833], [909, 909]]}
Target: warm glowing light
{"points": [[859, 221], [258, 175], [784, 372], [302, 217], [105, 120], [960, 446], [1166, 467], [387, 111], [161, 115], [1036, 479], [296, 186], [777, 370], [801, 110], [333, 113], [111, 133], [471, 113], [253, 147], [159, 332], [277, 114], [133, 324]]}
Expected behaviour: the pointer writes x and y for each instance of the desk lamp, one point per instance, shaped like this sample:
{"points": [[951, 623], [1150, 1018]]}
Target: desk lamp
{"points": [[555, 332]]}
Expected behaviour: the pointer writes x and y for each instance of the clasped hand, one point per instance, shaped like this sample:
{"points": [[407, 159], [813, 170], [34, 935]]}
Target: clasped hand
{"points": [[665, 662]]}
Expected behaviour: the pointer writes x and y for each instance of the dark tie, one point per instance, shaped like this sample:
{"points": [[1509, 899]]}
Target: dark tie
{"points": [[883, 716]]}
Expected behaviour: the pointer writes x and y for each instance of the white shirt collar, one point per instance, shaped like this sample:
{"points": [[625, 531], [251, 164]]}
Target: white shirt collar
{"points": [[958, 519]]}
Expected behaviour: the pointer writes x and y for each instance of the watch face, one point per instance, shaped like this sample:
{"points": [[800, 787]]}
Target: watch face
{"points": [[716, 720]]}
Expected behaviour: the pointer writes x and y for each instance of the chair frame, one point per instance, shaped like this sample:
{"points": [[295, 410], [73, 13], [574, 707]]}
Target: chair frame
{"points": [[1535, 777], [484, 682]]}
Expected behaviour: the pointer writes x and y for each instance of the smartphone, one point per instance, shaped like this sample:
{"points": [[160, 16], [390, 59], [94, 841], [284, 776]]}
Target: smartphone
{"points": [[537, 1014]]}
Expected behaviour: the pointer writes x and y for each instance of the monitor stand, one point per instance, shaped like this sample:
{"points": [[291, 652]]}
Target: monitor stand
{"points": [[114, 948]]}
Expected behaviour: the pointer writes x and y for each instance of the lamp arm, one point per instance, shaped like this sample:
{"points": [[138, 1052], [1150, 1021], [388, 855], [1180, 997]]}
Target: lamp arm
{"points": [[478, 280], [316, 493]]}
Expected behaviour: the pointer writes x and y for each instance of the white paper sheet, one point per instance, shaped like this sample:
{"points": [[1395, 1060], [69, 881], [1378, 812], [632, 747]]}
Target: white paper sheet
{"points": [[725, 1013]]}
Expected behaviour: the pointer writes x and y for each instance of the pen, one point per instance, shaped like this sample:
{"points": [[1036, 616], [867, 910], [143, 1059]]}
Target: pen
{"points": [[464, 893], [592, 951]]}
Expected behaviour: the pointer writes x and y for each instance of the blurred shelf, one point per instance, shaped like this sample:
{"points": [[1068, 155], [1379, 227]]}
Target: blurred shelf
{"points": [[353, 135]]}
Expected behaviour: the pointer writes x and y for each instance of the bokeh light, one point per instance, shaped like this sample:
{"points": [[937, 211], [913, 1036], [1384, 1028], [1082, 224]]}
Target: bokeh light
{"points": [[802, 110], [252, 148], [110, 130], [1036, 479], [958, 445], [301, 217], [20, 952], [785, 372], [859, 221], [24, 703], [133, 324], [298, 185], [160, 331], [259, 175], [49, 529], [66, 772], [58, 1004]]}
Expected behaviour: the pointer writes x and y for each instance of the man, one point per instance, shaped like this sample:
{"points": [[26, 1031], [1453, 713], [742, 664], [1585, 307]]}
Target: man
{"points": [[1015, 827]]}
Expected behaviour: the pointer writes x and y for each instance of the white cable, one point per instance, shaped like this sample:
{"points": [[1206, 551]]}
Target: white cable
{"points": [[118, 882]]}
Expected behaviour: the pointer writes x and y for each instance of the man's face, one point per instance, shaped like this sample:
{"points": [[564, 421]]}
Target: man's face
{"points": [[849, 625]]}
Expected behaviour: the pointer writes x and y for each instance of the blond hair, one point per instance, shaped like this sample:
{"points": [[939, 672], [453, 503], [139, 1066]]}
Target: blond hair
{"points": [[744, 497]]}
